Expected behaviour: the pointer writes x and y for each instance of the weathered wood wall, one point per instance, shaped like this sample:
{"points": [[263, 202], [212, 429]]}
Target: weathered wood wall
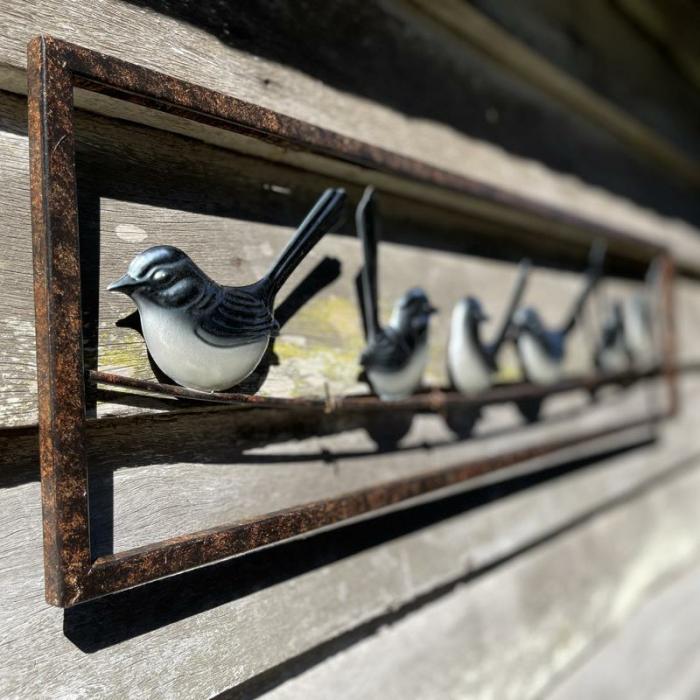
{"points": [[499, 589], [139, 187]]}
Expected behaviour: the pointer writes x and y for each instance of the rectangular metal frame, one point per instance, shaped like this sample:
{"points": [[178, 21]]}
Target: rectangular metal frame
{"points": [[55, 68]]}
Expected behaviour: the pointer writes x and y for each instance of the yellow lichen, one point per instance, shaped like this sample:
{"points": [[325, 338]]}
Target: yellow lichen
{"points": [[123, 349]]}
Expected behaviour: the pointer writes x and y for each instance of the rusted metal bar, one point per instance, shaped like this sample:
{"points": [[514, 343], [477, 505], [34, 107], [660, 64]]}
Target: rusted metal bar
{"points": [[180, 392], [430, 400], [58, 325], [132, 567]]}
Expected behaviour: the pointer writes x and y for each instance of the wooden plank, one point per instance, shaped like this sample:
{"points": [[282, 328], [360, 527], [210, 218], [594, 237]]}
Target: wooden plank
{"points": [[334, 151], [652, 655], [671, 24], [688, 320], [519, 58], [253, 463], [17, 361], [510, 633], [213, 629], [198, 51], [596, 45]]}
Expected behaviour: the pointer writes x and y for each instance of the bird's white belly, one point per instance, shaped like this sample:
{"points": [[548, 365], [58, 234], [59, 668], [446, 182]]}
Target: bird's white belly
{"points": [[392, 386], [539, 367], [188, 359], [614, 359], [467, 368]]}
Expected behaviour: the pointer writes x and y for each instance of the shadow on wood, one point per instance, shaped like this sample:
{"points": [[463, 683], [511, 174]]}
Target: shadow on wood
{"points": [[99, 624]]}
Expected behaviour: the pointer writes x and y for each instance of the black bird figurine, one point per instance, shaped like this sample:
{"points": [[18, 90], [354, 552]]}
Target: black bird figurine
{"points": [[471, 362], [641, 324], [611, 354], [202, 334], [541, 351], [629, 336], [395, 356]]}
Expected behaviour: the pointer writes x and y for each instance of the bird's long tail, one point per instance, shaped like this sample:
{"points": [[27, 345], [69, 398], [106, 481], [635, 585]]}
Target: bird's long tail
{"points": [[323, 215], [515, 296], [593, 275], [365, 220]]}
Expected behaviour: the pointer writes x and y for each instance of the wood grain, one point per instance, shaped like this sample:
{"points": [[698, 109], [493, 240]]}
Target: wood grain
{"points": [[583, 42], [654, 654], [512, 632], [118, 647], [249, 624], [216, 60], [478, 29]]}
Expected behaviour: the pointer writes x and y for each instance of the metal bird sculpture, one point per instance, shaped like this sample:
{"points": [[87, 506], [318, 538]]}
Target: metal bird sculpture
{"points": [[541, 350], [471, 362], [396, 354], [205, 335]]}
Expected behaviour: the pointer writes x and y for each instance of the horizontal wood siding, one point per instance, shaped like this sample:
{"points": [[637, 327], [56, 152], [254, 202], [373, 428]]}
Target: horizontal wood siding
{"points": [[498, 588]]}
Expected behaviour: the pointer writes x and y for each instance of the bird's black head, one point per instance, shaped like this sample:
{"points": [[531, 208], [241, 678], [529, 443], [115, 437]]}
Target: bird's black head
{"points": [[165, 276], [412, 312], [618, 313], [474, 313], [527, 319]]}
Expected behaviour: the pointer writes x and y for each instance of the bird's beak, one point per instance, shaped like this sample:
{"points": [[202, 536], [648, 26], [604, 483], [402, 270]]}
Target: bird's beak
{"points": [[432, 309], [483, 316], [125, 285]]}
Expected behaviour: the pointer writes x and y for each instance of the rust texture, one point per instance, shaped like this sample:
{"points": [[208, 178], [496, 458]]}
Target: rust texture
{"points": [[58, 324], [430, 400], [54, 69], [129, 568], [117, 78]]}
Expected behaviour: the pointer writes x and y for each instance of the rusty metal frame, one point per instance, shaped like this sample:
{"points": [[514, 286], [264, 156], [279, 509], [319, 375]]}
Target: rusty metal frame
{"points": [[72, 576], [430, 400]]}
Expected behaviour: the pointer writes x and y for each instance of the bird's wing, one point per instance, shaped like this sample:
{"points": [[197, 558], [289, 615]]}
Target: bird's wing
{"points": [[388, 351], [551, 342], [555, 343], [237, 318]]}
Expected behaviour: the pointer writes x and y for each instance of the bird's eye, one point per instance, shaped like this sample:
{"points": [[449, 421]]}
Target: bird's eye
{"points": [[161, 276]]}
